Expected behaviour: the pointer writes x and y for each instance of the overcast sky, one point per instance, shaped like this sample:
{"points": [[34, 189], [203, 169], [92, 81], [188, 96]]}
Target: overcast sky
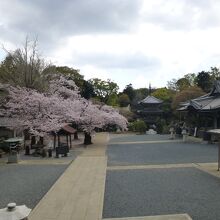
{"points": [[128, 41]]}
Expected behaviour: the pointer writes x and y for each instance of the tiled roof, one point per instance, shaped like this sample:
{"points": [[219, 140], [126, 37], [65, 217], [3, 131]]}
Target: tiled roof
{"points": [[210, 101], [151, 100]]}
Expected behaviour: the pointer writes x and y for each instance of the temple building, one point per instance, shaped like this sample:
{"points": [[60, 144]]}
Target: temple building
{"points": [[149, 109], [206, 108]]}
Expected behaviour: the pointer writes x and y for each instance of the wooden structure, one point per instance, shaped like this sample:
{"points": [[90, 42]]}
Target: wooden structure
{"points": [[64, 131], [149, 109], [206, 106]]}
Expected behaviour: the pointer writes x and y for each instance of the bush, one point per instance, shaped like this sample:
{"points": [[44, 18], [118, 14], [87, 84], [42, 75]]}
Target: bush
{"points": [[139, 126]]}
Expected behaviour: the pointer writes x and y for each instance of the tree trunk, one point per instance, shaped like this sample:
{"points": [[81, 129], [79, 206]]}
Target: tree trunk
{"points": [[87, 139], [41, 141], [54, 141], [33, 141], [67, 142], [76, 136], [70, 141], [26, 137], [58, 140]]}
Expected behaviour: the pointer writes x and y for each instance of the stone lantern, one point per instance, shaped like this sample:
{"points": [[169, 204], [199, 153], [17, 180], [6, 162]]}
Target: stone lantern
{"points": [[13, 212]]}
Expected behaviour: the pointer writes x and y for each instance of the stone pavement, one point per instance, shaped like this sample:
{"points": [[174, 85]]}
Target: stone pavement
{"points": [[79, 192]]}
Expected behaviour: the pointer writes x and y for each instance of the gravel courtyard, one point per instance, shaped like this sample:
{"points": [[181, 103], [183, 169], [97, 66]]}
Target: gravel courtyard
{"points": [[162, 191], [134, 137], [145, 191], [161, 153], [27, 184]]}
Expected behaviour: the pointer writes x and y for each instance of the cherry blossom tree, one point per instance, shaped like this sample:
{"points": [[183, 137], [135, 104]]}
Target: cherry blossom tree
{"points": [[38, 112], [113, 117], [32, 110], [41, 113], [95, 116], [90, 116]]}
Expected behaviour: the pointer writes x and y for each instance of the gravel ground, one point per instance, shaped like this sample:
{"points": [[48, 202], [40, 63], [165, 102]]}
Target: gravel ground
{"points": [[162, 191], [27, 184], [133, 137], [72, 155], [161, 153]]}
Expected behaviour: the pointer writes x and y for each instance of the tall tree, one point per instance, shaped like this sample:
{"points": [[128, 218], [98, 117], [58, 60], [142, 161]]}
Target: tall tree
{"points": [[124, 100], [140, 94], [163, 94], [103, 89], [71, 74], [87, 90], [191, 78], [215, 73], [129, 90], [172, 85], [182, 83], [24, 67], [167, 96], [204, 81], [113, 100]]}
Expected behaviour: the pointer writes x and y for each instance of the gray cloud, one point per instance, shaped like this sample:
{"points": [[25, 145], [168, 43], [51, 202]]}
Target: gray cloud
{"points": [[52, 20], [112, 61], [184, 14]]}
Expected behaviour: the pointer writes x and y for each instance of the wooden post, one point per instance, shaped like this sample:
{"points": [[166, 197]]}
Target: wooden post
{"points": [[67, 141], [70, 141], [215, 120], [42, 140], [58, 140], [54, 141], [76, 136]]}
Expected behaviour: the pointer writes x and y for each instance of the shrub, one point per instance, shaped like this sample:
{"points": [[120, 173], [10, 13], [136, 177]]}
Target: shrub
{"points": [[139, 126]]}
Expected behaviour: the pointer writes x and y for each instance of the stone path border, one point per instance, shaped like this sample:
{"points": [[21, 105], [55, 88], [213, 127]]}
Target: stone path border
{"points": [[145, 142], [138, 167], [159, 217]]}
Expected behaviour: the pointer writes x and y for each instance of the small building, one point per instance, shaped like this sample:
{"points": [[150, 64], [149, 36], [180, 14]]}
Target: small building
{"points": [[203, 112], [205, 108], [149, 109]]}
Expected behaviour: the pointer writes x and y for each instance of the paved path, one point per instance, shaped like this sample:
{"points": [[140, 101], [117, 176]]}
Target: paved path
{"points": [[79, 192]]}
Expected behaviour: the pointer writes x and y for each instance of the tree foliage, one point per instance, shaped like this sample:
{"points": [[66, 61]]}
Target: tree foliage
{"points": [[71, 74], [113, 100], [124, 100], [187, 94], [41, 113], [24, 67], [163, 94], [129, 90], [204, 81], [103, 89]]}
